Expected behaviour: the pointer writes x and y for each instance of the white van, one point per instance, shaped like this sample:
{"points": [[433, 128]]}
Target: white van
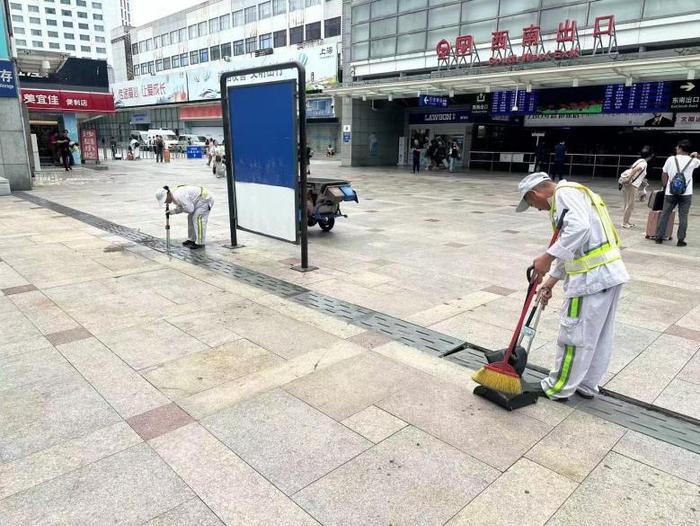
{"points": [[190, 140], [169, 138]]}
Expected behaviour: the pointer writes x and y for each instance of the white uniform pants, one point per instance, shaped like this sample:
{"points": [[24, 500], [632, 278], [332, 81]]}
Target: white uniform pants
{"points": [[584, 345], [197, 221]]}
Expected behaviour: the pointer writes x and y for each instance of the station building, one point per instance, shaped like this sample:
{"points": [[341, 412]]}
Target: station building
{"points": [[507, 78]]}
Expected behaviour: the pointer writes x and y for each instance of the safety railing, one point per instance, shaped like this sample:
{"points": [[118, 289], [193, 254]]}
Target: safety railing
{"points": [[576, 164]]}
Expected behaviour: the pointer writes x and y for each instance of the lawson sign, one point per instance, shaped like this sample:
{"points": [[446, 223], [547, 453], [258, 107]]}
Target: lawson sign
{"points": [[439, 117]]}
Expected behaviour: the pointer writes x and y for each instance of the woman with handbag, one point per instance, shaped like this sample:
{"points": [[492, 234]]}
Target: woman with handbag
{"points": [[629, 182]]}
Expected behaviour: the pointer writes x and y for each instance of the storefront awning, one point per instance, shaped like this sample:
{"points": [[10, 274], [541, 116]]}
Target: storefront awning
{"points": [[604, 70]]}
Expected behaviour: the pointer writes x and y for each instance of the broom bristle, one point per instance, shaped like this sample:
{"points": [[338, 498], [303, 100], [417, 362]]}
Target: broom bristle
{"points": [[498, 380]]}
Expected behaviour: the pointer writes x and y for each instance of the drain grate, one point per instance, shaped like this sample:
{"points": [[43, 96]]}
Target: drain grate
{"points": [[678, 430]]}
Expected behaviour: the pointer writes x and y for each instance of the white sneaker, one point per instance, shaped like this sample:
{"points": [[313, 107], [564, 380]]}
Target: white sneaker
{"points": [[628, 225]]}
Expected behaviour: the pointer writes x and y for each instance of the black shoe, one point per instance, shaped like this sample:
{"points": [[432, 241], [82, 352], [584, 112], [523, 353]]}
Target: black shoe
{"points": [[681, 243], [195, 246], [585, 395], [658, 240], [187, 243], [560, 400]]}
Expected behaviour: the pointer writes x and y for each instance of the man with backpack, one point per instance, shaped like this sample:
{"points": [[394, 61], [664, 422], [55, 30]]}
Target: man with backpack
{"points": [[677, 178]]}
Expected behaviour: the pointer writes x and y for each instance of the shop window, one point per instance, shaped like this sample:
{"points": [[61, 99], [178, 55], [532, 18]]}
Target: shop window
{"points": [[331, 27], [279, 38], [313, 31], [296, 35]]}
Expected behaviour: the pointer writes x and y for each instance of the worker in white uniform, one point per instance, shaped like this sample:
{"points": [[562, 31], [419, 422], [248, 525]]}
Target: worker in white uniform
{"points": [[197, 202], [587, 257]]}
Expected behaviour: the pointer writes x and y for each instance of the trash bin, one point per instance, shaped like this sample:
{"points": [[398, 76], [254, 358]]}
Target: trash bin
{"points": [[195, 152]]}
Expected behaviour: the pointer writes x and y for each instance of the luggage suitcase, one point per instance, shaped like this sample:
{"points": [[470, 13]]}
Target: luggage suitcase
{"points": [[656, 200], [653, 221]]}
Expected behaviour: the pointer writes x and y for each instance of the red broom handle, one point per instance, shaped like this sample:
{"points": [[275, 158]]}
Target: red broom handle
{"points": [[532, 289]]}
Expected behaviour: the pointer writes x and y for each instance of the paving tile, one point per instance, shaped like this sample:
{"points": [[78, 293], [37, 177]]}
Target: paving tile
{"points": [[453, 244], [151, 344], [159, 421], [18, 290], [683, 332], [65, 457], [501, 291], [120, 385], [43, 312], [689, 373], [352, 385], [374, 424], [576, 445], [38, 365], [191, 513], [681, 397], [205, 369], [288, 442], [9, 277], [399, 481], [28, 345], [466, 328], [533, 494], [43, 414], [229, 393], [218, 476], [205, 327], [452, 414], [451, 308], [647, 376], [16, 328], [623, 491], [129, 487], [666, 457], [370, 339], [68, 336]]}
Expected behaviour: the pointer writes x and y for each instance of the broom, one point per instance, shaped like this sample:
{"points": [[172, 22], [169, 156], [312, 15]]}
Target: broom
{"points": [[501, 376]]}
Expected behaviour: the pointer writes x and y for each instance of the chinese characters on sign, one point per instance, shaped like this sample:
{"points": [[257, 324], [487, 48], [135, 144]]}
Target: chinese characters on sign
{"points": [[88, 145], [57, 100], [685, 95], [533, 50], [8, 81], [503, 102], [432, 100], [640, 97]]}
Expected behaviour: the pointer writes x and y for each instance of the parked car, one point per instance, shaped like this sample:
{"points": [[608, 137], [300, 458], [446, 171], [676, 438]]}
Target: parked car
{"points": [[183, 141]]}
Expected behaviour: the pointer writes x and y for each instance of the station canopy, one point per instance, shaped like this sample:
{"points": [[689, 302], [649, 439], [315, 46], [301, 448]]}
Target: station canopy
{"points": [[676, 64]]}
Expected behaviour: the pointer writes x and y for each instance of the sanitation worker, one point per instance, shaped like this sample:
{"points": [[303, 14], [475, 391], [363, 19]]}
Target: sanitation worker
{"points": [[197, 202], [587, 258]]}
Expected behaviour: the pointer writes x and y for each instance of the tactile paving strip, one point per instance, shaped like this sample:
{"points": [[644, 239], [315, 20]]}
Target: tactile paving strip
{"points": [[678, 430]]}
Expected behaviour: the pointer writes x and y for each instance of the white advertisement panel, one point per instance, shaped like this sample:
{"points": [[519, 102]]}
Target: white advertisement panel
{"points": [[150, 90], [279, 204], [650, 120], [320, 63]]}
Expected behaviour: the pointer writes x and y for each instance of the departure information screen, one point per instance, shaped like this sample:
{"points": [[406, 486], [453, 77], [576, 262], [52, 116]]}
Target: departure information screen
{"points": [[502, 103], [640, 97]]}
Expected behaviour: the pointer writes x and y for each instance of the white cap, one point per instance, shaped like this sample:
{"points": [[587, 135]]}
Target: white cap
{"points": [[161, 195], [528, 183]]}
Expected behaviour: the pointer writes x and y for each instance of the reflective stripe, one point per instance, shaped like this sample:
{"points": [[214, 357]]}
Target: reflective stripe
{"points": [[565, 371], [574, 307], [200, 229], [603, 254]]}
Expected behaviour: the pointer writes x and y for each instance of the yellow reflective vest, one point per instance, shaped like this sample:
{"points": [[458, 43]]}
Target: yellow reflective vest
{"points": [[602, 254]]}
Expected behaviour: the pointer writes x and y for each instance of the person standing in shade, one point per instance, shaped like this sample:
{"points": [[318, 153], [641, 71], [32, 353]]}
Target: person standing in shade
{"points": [[677, 177], [559, 160], [63, 146], [630, 181], [159, 147], [454, 155], [415, 157]]}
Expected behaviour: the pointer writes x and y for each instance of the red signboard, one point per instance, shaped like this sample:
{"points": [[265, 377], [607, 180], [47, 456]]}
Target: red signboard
{"points": [[88, 145], [193, 113], [59, 100]]}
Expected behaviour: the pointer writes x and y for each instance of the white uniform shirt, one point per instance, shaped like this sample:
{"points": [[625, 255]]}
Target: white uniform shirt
{"points": [[186, 198], [581, 232], [671, 170]]}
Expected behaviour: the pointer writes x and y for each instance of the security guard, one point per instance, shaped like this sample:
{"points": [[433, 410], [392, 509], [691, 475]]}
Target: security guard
{"points": [[587, 257], [197, 202]]}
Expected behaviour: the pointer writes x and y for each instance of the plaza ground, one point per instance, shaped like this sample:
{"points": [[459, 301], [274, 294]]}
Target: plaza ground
{"points": [[138, 389]]}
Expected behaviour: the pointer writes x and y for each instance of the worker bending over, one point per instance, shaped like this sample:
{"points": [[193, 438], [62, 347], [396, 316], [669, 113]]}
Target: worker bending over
{"points": [[197, 202], [587, 257]]}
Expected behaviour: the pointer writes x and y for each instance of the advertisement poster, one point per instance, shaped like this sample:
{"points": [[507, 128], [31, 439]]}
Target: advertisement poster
{"points": [[88, 145], [567, 101], [645, 120], [320, 63], [151, 90]]}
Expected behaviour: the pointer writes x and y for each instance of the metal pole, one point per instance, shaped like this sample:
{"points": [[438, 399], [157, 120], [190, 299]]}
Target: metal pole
{"points": [[303, 166], [230, 180], [167, 228]]}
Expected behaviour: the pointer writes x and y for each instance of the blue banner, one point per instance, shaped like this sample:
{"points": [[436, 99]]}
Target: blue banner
{"points": [[439, 117], [432, 100], [8, 80]]}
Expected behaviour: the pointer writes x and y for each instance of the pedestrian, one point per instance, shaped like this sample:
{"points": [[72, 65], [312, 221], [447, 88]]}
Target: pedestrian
{"points": [[196, 202], [54, 148], [541, 157], [587, 257], [113, 147], [159, 146], [559, 160], [415, 153], [330, 151], [432, 150], [677, 177], [211, 148], [629, 182], [217, 166], [134, 149], [63, 146], [454, 155]]}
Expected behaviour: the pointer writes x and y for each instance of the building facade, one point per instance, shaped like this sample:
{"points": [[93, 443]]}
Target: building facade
{"points": [[489, 74], [79, 28], [167, 72]]}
